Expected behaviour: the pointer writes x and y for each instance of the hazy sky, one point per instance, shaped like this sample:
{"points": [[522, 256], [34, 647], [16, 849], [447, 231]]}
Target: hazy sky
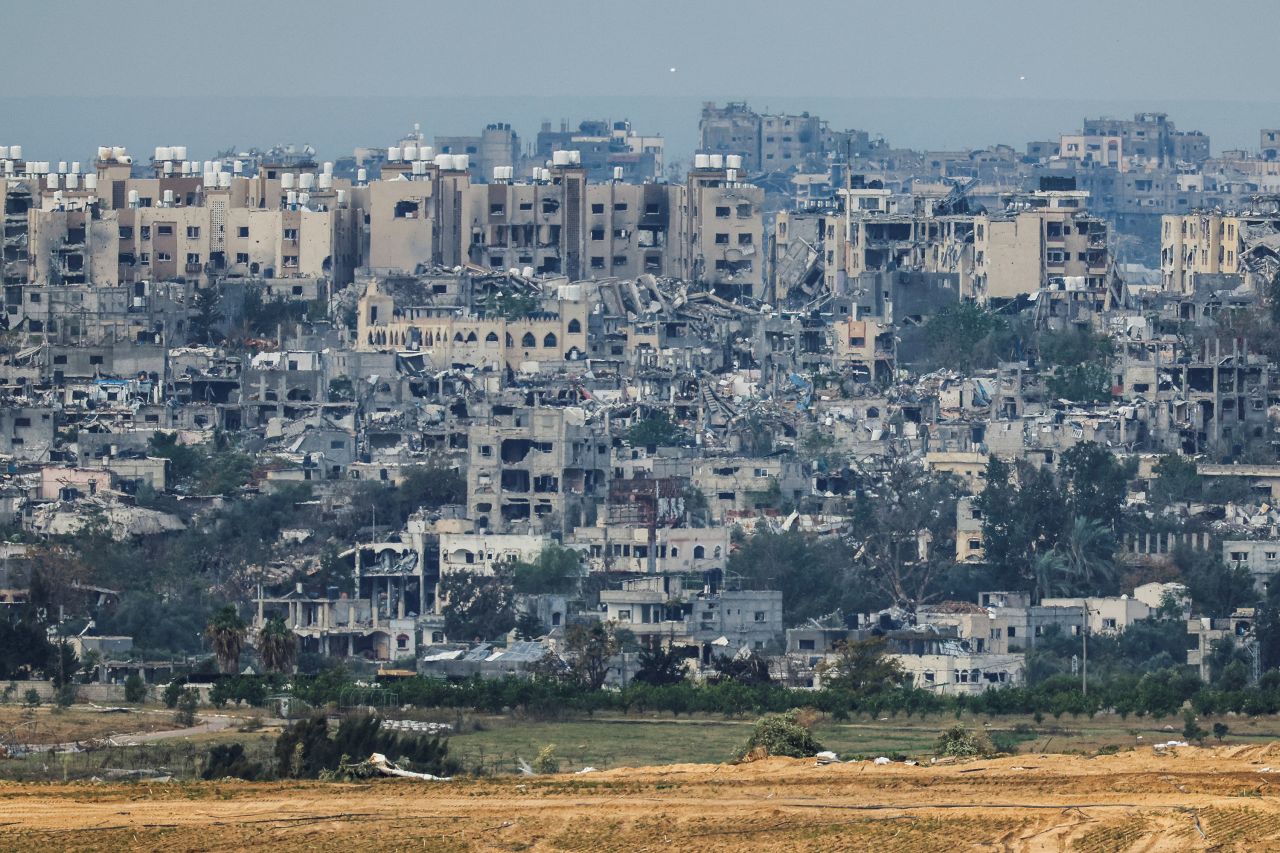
{"points": [[984, 48]]}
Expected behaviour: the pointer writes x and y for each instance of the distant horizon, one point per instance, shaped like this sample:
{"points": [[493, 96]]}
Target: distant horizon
{"points": [[72, 127]]}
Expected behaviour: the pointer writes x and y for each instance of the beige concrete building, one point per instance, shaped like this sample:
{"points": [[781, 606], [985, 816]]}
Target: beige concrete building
{"points": [[446, 338], [1198, 244], [1050, 238]]}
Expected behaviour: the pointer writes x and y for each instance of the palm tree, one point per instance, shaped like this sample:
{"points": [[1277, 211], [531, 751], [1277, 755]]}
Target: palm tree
{"points": [[1047, 570], [277, 645], [1088, 554], [225, 633]]}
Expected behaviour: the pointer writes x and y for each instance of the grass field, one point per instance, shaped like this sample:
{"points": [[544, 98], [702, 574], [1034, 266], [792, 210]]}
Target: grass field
{"points": [[497, 744], [607, 742]]}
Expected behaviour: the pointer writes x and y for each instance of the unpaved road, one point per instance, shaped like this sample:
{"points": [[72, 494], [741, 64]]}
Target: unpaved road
{"points": [[1197, 799]]}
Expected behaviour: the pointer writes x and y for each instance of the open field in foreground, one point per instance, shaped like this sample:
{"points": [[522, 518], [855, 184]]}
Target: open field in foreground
{"points": [[1226, 798]]}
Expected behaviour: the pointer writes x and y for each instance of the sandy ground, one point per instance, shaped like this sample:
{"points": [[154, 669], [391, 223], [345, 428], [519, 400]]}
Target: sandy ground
{"points": [[1196, 799]]}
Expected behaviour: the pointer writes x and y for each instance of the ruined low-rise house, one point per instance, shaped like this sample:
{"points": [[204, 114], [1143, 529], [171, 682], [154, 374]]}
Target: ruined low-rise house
{"points": [[67, 483], [1260, 557], [714, 621], [675, 550], [969, 547], [1204, 633], [742, 486], [27, 432]]}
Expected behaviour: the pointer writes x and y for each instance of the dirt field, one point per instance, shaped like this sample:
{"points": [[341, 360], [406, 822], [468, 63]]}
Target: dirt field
{"points": [[1197, 799]]}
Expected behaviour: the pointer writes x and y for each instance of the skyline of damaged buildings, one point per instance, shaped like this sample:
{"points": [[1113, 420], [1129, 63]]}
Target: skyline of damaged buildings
{"points": [[629, 359]]}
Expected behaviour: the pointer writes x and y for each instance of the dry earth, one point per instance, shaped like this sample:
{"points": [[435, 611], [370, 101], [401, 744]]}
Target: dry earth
{"points": [[1196, 799]]}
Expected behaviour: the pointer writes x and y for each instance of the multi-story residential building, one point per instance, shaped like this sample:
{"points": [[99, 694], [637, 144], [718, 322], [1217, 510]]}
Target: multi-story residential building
{"points": [[535, 469], [724, 229]]}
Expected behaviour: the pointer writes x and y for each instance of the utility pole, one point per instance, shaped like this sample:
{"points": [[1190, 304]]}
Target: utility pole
{"points": [[1084, 648]]}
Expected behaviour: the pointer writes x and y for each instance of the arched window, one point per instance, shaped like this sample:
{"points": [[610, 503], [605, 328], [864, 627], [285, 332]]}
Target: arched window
{"points": [[491, 338], [528, 340], [471, 337], [699, 552], [457, 337], [717, 554], [675, 552], [510, 342], [873, 412], [549, 341], [574, 326]]}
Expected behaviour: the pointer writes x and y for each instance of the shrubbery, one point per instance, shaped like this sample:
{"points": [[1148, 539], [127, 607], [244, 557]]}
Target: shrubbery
{"points": [[782, 734]]}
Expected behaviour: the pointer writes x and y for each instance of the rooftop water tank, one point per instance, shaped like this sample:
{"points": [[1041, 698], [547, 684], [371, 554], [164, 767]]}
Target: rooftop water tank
{"points": [[178, 152], [286, 180], [91, 181], [717, 161], [733, 161], [702, 161]]}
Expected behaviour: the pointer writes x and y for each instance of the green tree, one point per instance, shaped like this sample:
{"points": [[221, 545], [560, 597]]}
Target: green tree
{"points": [[226, 634], [660, 665], [1176, 480], [964, 337], [556, 569], [477, 607], [1095, 483], [589, 648], [908, 533], [1215, 588], [863, 667], [656, 430], [135, 689], [277, 645], [185, 710]]}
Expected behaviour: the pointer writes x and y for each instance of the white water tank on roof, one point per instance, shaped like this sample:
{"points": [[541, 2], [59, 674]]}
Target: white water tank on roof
{"points": [[15, 151], [291, 198], [133, 198], [411, 152], [342, 196], [559, 158], [306, 180], [104, 153], [362, 175], [527, 272], [91, 181], [717, 161], [327, 168], [178, 152], [117, 152], [426, 152], [168, 167], [73, 181], [462, 162], [731, 174], [443, 161], [162, 154], [75, 166], [62, 167], [701, 161], [237, 166], [4, 152], [733, 161], [617, 173], [326, 181], [224, 180], [303, 198], [286, 180], [51, 181], [168, 197], [393, 154]]}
